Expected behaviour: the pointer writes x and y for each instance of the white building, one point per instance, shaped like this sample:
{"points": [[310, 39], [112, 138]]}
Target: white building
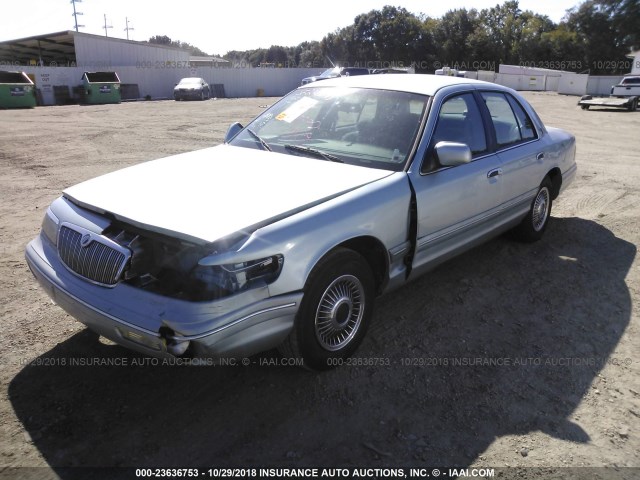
{"points": [[635, 59]]}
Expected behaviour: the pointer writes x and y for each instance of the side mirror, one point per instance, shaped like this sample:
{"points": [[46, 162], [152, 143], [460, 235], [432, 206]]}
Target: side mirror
{"points": [[451, 154], [234, 129]]}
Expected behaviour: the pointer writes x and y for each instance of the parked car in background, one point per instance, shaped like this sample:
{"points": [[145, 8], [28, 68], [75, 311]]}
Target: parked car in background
{"points": [[191, 88], [382, 71], [336, 72], [283, 237]]}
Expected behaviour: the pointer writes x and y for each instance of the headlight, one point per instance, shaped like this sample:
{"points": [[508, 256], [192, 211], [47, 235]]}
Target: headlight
{"points": [[217, 281], [50, 226]]}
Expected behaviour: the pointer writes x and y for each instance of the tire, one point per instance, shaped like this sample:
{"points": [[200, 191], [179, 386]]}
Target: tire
{"points": [[202, 96], [535, 223], [334, 313], [585, 107]]}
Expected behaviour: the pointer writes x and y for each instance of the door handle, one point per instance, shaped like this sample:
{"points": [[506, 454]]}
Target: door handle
{"points": [[494, 173], [540, 156]]}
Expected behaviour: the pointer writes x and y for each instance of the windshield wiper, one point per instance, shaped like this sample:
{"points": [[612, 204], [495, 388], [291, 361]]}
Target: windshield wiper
{"points": [[260, 140], [314, 152]]}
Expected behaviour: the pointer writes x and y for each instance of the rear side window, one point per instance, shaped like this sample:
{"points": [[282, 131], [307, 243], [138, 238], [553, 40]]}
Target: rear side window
{"points": [[527, 130], [511, 123]]}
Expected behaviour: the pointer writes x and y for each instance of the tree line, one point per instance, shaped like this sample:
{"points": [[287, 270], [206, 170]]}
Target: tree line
{"points": [[594, 37], [165, 40]]}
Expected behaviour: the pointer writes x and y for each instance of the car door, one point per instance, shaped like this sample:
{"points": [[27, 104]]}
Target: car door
{"points": [[521, 154], [456, 206]]}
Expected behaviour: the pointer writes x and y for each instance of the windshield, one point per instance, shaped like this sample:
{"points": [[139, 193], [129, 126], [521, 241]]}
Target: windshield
{"points": [[366, 127]]}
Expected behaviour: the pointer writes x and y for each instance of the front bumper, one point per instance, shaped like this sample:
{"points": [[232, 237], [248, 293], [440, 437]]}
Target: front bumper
{"points": [[237, 326], [188, 94]]}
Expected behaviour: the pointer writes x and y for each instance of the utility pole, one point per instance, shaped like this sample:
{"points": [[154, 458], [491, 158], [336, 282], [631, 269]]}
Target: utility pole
{"points": [[76, 13], [128, 27], [105, 25]]}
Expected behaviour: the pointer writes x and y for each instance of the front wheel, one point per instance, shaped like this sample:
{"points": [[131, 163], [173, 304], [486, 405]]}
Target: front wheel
{"points": [[335, 311], [535, 223]]}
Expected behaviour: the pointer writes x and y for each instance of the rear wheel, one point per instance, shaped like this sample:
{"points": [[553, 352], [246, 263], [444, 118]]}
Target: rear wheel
{"points": [[334, 313], [535, 223]]}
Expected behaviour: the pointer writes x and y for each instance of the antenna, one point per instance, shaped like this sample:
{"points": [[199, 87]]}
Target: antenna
{"points": [[128, 27], [76, 13], [105, 25]]}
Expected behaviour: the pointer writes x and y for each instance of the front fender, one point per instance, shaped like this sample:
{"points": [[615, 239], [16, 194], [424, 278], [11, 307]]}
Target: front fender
{"points": [[379, 210]]}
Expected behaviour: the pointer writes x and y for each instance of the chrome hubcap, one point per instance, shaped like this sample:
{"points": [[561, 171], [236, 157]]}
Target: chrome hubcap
{"points": [[540, 209], [339, 312]]}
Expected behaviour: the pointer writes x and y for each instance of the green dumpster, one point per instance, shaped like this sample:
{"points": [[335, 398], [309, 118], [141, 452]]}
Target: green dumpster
{"points": [[16, 90], [101, 87]]}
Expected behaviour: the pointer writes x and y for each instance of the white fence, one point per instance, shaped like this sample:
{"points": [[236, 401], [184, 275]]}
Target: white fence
{"points": [[159, 82], [601, 85], [274, 82], [521, 81], [573, 84], [565, 83]]}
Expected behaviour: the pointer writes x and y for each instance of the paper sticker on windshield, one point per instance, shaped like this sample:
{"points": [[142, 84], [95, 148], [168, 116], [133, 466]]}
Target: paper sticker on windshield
{"points": [[294, 111]]}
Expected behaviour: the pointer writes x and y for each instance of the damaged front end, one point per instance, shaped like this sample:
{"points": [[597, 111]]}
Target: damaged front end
{"points": [[158, 263], [200, 299]]}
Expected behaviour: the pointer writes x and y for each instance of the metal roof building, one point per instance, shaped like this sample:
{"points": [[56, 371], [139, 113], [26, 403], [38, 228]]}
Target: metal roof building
{"points": [[70, 49], [57, 61]]}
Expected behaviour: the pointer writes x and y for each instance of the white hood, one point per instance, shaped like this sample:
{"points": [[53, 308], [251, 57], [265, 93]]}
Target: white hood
{"points": [[208, 194]]}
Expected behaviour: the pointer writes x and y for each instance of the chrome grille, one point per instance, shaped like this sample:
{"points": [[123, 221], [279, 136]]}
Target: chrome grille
{"points": [[101, 260]]}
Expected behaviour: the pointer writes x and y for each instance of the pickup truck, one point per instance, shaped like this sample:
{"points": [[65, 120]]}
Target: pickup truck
{"points": [[625, 95]]}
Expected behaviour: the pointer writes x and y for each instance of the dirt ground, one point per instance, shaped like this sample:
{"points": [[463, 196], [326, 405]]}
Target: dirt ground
{"points": [[509, 356]]}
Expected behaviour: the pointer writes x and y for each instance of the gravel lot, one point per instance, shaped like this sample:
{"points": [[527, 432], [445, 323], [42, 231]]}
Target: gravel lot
{"points": [[509, 356]]}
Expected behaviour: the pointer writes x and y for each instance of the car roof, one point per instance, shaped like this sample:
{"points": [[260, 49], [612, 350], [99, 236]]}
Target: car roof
{"points": [[419, 83]]}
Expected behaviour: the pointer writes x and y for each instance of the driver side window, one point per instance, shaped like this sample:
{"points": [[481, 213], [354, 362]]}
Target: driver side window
{"points": [[459, 121]]}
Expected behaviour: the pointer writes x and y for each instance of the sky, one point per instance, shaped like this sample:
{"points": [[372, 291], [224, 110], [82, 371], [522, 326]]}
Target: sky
{"points": [[218, 27]]}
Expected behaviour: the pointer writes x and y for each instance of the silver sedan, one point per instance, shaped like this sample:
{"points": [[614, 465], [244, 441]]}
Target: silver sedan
{"points": [[283, 236]]}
